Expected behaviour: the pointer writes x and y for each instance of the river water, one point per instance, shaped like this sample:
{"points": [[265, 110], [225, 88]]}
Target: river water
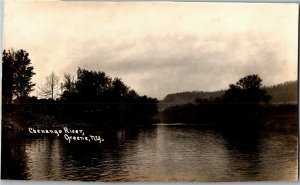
{"points": [[155, 153]]}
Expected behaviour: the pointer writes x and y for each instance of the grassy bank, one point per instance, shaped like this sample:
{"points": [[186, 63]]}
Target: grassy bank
{"points": [[21, 120]]}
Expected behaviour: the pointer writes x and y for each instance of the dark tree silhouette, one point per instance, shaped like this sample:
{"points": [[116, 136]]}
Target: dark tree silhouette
{"points": [[95, 96], [250, 82], [240, 103], [91, 84], [119, 89], [7, 76], [17, 74], [69, 83], [23, 74], [247, 90]]}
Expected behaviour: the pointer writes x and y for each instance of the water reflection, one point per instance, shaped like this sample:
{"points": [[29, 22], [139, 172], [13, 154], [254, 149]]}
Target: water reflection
{"points": [[13, 157], [155, 153], [279, 156], [244, 150], [43, 158]]}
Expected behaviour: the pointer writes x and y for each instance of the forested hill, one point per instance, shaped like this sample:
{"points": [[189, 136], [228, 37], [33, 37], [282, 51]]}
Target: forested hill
{"points": [[187, 97], [282, 93]]}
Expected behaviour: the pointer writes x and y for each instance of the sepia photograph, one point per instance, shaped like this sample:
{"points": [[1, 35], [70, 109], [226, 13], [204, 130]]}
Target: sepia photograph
{"points": [[150, 91]]}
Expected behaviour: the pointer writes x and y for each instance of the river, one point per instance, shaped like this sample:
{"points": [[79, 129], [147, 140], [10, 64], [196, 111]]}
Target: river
{"points": [[155, 153]]}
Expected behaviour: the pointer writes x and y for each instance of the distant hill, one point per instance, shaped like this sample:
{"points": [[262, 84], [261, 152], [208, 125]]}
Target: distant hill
{"points": [[187, 97], [282, 93]]}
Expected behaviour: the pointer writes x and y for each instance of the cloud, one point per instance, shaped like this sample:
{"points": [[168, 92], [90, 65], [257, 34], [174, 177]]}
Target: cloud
{"points": [[159, 65], [158, 48]]}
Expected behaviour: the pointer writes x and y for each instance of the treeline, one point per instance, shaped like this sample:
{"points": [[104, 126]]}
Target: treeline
{"points": [[284, 93], [96, 99], [90, 97], [187, 97], [246, 101]]}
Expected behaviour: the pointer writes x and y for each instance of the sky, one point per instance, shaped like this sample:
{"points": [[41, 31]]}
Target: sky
{"points": [[157, 48]]}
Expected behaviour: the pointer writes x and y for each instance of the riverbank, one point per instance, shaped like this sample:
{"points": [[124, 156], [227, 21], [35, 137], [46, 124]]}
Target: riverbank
{"points": [[288, 121], [22, 119]]}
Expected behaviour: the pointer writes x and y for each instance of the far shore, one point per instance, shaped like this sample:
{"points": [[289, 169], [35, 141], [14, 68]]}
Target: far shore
{"points": [[16, 122]]}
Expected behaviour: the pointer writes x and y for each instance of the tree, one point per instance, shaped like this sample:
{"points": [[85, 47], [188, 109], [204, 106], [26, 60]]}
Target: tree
{"points": [[91, 84], [17, 74], [50, 89], [69, 91], [96, 96], [247, 90], [69, 83], [241, 101], [250, 82], [7, 77], [23, 74], [119, 89]]}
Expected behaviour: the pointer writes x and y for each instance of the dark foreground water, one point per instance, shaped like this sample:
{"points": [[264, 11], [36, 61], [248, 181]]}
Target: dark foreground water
{"points": [[155, 153]]}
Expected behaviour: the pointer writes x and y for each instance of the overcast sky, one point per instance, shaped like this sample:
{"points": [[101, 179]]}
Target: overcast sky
{"points": [[157, 48]]}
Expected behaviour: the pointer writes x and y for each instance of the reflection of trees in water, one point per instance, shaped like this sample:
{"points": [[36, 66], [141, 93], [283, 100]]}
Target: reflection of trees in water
{"points": [[13, 158], [245, 140], [100, 162], [243, 145], [162, 152], [280, 150], [41, 155], [261, 154], [46, 157], [30, 157], [84, 161]]}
